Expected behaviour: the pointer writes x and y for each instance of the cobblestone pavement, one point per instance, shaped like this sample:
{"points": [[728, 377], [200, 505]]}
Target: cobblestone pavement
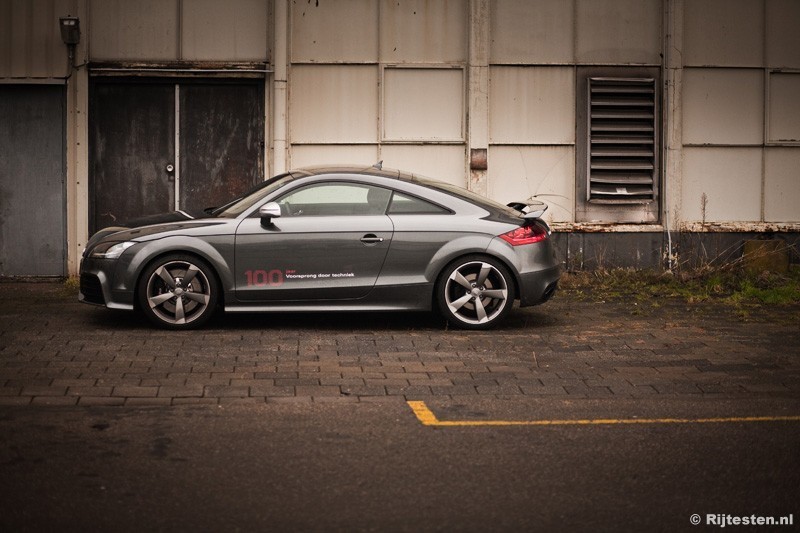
{"points": [[55, 351]]}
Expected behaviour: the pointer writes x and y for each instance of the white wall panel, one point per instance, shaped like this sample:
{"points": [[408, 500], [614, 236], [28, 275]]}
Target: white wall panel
{"points": [[783, 37], [730, 179], [723, 106], [782, 185], [723, 33], [519, 172], [124, 30], [423, 104], [536, 31], [532, 105], [618, 31], [442, 162], [334, 32], [423, 31], [231, 30], [333, 103], [784, 107], [310, 155]]}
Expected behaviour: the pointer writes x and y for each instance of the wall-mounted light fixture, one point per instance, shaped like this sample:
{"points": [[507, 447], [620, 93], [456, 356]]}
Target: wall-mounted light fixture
{"points": [[70, 30]]}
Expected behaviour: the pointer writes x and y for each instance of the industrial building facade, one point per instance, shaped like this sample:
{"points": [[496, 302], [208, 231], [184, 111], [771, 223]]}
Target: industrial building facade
{"points": [[649, 126]]}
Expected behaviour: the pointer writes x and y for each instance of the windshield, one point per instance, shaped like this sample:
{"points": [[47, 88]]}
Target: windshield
{"points": [[243, 203]]}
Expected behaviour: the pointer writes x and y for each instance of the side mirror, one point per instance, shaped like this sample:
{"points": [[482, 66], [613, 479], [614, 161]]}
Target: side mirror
{"points": [[269, 211]]}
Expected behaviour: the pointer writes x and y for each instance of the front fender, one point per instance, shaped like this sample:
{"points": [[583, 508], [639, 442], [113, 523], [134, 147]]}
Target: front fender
{"points": [[217, 251]]}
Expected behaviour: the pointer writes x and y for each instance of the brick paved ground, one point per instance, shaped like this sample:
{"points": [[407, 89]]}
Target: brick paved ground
{"points": [[55, 351]]}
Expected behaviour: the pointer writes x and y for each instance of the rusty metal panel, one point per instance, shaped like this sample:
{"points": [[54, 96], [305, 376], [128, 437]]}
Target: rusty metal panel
{"points": [[131, 142], [424, 31], [234, 30], [334, 32], [618, 31], [784, 107], [724, 33], [723, 106], [423, 104], [32, 201], [519, 172], [30, 39], [333, 103], [222, 139], [721, 184], [781, 185], [783, 39], [333, 154], [142, 29], [532, 105], [532, 31], [443, 162]]}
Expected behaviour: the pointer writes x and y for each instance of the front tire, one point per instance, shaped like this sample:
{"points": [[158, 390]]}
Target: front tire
{"points": [[475, 292], [178, 292]]}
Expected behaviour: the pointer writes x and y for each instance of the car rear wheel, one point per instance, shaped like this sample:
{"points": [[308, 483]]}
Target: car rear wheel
{"points": [[475, 292], [178, 292]]}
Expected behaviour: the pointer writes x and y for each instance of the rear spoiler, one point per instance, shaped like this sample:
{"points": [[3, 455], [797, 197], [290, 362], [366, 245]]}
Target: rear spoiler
{"points": [[530, 208]]}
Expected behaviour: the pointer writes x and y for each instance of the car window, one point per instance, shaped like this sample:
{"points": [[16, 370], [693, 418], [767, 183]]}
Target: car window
{"points": [[335, 199], [403, 204]]}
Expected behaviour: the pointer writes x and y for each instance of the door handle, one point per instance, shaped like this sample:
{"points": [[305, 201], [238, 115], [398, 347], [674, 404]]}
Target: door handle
{"points": [[371, 238]]}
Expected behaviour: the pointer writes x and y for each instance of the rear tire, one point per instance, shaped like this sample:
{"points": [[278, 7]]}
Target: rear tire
{"points": [[178, 291], [475, 292]]}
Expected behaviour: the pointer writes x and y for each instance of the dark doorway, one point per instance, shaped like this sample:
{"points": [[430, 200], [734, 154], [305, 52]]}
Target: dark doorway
{"points": [[158, 145], [32, 200]]}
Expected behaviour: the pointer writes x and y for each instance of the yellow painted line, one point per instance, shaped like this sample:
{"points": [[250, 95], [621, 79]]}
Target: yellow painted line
{"points": [[427, 418]]}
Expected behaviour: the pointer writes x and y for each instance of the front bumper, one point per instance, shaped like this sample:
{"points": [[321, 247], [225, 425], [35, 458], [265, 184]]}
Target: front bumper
{"points": [[98, 285]]}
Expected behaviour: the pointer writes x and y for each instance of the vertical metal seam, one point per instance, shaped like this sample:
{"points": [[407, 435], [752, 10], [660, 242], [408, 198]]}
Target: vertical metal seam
{"points": [[177, 146]]}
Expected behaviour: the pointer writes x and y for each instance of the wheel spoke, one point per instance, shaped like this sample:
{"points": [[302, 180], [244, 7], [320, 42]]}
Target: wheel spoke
{"points": [[191, 272], [180, 315], [480, 310], [461, 280], [497, 294], [197, 297], [486, 269], [159, 299], [458, 304], [166, 276]]}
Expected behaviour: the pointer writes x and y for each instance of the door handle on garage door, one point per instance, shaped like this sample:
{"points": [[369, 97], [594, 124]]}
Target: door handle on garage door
{"points": [[371, 238]]}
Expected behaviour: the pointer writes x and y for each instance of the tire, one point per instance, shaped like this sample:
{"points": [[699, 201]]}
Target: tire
{"points": [[178, 291], [475, 292]]}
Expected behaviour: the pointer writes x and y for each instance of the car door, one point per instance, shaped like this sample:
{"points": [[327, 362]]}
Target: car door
{"points": [[329, 243]]}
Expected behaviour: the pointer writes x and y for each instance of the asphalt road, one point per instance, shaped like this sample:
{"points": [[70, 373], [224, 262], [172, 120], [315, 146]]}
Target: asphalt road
{"points": [[375, 467]]}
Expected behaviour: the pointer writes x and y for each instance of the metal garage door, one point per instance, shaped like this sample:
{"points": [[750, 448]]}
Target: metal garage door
{"points": [[32, 201], [163, 145]]}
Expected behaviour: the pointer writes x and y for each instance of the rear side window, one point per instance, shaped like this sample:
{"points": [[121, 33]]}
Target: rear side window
{"points": [[402, 204]]}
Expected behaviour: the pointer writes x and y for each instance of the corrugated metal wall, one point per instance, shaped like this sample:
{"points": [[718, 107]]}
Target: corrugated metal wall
{"points": [[30, 38]]}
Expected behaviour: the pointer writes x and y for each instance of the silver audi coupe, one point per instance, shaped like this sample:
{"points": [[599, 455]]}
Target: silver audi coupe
{"points": [[329, 239]]}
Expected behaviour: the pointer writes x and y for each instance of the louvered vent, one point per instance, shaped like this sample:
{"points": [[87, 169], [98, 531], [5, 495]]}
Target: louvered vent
{"points": [[622, 140]]}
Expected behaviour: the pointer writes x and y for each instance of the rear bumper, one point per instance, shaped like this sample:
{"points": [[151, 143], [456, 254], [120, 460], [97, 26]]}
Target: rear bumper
{"points": [[539, 286]]}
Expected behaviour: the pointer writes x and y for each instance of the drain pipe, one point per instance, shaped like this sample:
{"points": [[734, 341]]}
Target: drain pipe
{"points": [[279, 85]]}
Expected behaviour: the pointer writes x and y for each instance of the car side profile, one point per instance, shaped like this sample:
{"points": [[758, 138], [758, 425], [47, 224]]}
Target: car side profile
{"points": [[329, 239]]}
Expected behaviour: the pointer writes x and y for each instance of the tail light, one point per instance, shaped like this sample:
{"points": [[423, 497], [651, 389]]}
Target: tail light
{"points": [[525, 235]]}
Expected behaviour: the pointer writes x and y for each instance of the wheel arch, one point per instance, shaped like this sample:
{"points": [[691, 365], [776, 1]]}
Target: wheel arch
{"points": [[484, 253], [204, 252]]}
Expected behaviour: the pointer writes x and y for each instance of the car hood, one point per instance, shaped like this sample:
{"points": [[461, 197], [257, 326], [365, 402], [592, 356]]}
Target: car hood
{"points": [[172, 224]]}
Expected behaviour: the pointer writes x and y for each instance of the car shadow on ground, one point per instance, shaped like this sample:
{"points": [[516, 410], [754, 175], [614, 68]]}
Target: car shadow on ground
{"points": [[519, 320]]}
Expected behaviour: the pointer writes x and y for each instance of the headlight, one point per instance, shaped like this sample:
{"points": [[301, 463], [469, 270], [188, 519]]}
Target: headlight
{"points": [[111, 250]]}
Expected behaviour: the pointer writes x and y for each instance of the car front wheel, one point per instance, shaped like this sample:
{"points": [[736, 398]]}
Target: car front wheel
{"points": [[475, 292], [178, 292]]}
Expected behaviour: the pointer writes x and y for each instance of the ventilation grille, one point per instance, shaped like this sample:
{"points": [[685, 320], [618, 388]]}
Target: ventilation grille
{"points": [[622, 140]]}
